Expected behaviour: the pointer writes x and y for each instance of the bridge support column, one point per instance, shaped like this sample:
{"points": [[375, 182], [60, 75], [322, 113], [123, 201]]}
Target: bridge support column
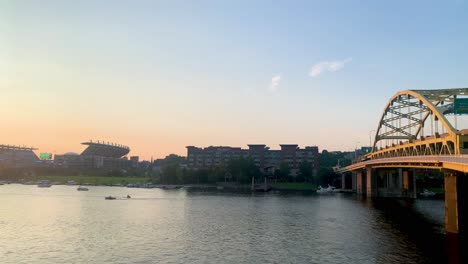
{"points": [[343, 181], [353, 182], [359, 187], [456, 212], [405, 182], [371, 183], [451, 205], [400, 178], [409, 184]]}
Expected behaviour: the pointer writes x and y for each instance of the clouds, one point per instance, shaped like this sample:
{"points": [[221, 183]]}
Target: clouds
{"points": [[275, 82], [324, 66], [316, 70]]}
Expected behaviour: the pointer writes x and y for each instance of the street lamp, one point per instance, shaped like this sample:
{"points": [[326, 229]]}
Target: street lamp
{"points": [[355, 150]]}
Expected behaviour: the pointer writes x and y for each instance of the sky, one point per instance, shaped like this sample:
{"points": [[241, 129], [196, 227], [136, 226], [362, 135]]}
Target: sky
{"points": [[161, 75]]}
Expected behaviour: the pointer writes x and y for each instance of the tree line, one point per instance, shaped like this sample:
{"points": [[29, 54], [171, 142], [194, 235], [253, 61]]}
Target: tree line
{"points": [[242, 170]]}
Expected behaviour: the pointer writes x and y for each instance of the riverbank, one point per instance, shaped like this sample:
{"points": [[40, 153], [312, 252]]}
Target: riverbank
{"points": [[294, 186], [147, 182], [82, 180]]}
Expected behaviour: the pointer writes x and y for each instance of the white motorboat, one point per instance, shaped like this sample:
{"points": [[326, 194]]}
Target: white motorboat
{"points": [[72, 182], [427, 193], [329, 189]]}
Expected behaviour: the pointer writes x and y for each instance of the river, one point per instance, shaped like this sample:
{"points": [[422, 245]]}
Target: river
{"points": [[62, 225]]}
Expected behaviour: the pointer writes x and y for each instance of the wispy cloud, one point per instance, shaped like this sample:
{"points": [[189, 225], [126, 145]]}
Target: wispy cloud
{"points": [[324, 66], [275, 82]]}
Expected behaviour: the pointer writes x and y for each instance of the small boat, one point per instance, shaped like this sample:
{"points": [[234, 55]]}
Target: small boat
{"points": [[329, 189], [72, 182], [44, 184], [110, 197], [262, 189], [427, 193], [128, 196], [81, 188]]}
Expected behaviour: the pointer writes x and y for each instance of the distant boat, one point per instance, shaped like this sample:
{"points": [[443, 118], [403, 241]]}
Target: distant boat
{"points": [[261, 188], [110, 197], [44, 184], [81, 188], [72, 182], [427, 193], [329, 189]]}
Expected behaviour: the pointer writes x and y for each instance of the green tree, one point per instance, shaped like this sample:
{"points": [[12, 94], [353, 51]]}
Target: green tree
{"points": [[330, 159], [242, 169], [305, 172], [325, 176], [283, 171]]}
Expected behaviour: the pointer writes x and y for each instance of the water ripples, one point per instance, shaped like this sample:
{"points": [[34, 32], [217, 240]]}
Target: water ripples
{"points": [[61, 225]]}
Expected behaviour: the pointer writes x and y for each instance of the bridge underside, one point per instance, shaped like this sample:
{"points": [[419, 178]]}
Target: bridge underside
{"points": [[398, 180]]}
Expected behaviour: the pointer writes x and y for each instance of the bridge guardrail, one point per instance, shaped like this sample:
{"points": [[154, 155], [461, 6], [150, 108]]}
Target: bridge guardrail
{"points": [[452, 159]]}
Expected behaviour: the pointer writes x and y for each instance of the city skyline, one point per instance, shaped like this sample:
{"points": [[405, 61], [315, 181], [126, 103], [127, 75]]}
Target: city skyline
{"points": [[158, 77]]}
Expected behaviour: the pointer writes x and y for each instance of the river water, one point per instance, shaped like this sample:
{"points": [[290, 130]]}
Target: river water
{"points": [[62, 225]]}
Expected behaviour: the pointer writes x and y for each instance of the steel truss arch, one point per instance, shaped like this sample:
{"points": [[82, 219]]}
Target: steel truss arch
{"points": [[407, 105]]}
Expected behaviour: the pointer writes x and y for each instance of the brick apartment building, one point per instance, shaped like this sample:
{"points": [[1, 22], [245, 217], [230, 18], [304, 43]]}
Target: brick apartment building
{"points": [[267, 160]]}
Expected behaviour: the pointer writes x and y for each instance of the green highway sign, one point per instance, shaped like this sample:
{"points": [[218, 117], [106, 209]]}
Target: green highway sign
{"points": [[45, 156], [366, 150], [460, 106]]}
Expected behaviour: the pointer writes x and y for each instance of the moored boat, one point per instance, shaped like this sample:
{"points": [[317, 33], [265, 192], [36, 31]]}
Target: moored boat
{"points": [[71, 182], [81, 188], [44, 184], [329, 189], [110, 197], [427, 193]]}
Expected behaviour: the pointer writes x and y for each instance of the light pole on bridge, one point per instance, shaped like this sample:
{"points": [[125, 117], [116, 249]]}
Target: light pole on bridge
{"points": [[355, 150]]}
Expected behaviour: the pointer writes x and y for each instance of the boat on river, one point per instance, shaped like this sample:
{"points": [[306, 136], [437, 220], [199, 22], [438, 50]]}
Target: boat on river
{"points": [[44, 184], [329, 189], [110, 197], [427, 193], [81, 188]]}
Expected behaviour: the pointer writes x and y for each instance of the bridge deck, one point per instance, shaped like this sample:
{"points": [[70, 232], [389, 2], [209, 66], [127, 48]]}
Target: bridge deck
{"points": [[452, 162]]}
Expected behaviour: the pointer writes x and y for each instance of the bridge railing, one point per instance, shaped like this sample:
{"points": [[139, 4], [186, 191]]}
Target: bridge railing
{"points": [[436, 159]]}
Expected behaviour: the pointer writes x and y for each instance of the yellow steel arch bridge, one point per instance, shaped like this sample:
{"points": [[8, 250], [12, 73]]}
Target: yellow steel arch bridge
{"points": [[419, 129], [414, 131]]}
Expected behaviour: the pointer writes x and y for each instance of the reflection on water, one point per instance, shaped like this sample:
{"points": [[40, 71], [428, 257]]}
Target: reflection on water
{"points": [[61, 225]]}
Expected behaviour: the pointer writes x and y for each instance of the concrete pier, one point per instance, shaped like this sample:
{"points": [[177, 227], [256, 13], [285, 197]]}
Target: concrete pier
{"points": [[359, 187], [371, 182], [451, 205]]}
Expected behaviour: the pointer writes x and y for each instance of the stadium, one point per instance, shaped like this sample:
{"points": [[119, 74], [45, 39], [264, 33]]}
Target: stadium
{"points": [[17, 157], [97, 155]]}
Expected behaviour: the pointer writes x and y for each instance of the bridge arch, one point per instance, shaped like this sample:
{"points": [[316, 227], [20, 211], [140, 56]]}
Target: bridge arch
{"points": [[406, 113]]}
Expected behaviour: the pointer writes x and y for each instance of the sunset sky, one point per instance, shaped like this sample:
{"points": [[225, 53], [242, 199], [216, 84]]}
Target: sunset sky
{"points": [[160, 75]]}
